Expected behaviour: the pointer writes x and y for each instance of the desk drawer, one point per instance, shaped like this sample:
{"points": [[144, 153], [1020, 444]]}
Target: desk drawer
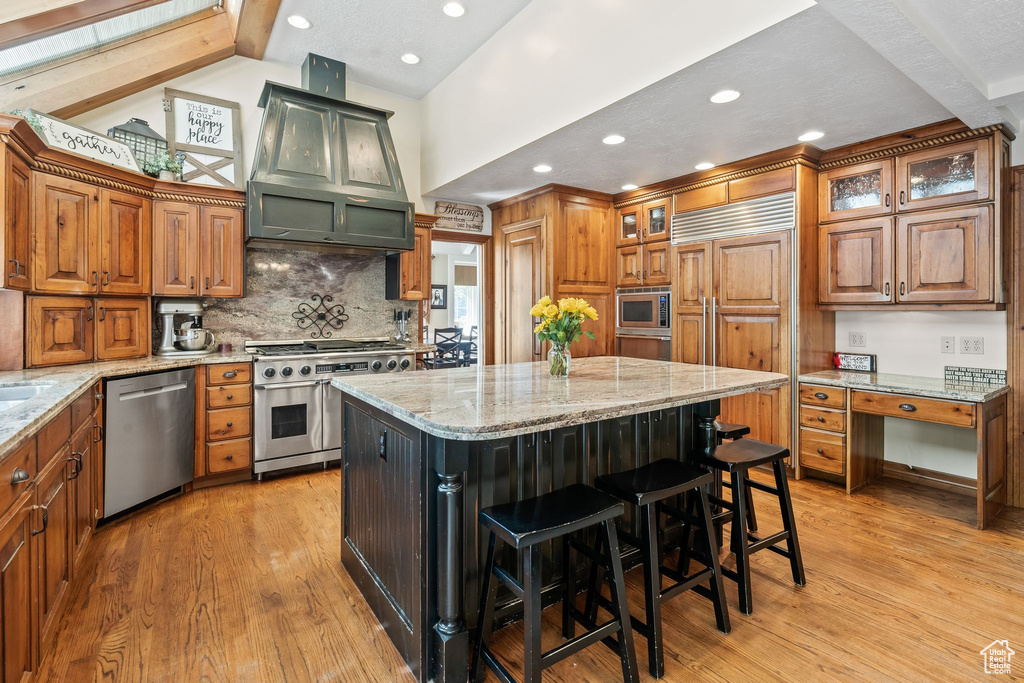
{"points": [[228, 423], [813, 394], [228, 373], [957, 413], [823, 418], [822, 451], [229, 395]]}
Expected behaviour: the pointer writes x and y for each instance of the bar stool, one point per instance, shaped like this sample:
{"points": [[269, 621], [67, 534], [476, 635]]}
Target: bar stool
{"points": [[647, 488], [731, 431], [525, 525], [736, 458]]}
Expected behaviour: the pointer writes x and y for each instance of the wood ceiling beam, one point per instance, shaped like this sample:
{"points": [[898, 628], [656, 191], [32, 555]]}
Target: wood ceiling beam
{"points": [[33, 19], [255, 20], [78, 86]]}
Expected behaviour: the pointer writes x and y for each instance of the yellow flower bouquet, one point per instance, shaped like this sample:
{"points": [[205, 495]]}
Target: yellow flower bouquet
{"points": [[561, 324]]}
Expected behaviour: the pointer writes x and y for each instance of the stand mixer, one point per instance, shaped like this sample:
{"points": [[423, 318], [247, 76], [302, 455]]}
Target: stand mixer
{"points": [[186, 338]]}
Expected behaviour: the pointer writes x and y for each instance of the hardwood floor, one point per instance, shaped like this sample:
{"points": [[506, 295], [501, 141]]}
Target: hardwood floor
{"points": [[243, 583]]}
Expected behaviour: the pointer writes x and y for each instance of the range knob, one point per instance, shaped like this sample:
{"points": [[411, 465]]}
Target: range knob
{"points": [[375, 365], [305, 370], [392, 364], [286, 372], [269, 372], [405, 363]]}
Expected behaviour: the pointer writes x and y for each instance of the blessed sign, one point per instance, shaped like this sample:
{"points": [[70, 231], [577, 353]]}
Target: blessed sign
{"points": [[454, 216], [63, 135]]}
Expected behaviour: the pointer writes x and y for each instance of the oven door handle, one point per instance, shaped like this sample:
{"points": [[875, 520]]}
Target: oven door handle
{"points": [[643, 336], [291, 385]]}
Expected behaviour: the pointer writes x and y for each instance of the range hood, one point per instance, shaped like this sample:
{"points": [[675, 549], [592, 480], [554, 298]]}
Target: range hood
{"points": [[325, 173]]}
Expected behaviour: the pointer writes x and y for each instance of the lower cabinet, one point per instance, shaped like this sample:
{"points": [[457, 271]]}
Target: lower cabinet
{"points": [[16, 571], [224, 396], [80, 490], [63, 330], [53, 545]]}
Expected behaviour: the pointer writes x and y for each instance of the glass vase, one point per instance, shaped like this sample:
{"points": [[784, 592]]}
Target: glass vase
{"points": [[558, 360]]}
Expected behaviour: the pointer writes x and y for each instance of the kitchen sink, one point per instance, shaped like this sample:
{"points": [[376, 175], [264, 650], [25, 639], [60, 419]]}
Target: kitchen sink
{"points": [[16, 394]]}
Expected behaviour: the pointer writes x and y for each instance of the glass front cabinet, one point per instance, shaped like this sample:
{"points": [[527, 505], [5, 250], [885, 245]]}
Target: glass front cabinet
{"points": [[952, 174], [641, 223], [856, 191]]}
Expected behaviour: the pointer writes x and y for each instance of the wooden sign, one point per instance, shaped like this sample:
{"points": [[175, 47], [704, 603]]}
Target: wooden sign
{"points": [[465, 217], [63, 135], [209, 132]]}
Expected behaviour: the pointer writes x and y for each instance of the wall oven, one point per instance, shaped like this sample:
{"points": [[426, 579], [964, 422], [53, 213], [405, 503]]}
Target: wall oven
{"points": [[643, 326]]}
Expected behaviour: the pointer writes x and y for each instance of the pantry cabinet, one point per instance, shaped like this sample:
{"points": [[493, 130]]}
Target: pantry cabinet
{"points": [[15, 208]]}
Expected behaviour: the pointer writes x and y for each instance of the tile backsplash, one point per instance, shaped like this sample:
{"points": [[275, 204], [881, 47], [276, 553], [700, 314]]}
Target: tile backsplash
{"points": [[279, 280]]}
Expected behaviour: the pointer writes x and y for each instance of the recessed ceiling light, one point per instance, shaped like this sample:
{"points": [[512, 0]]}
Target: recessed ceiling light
{"points": [[454, 9], [613, 140], [542, 168], [723, 96], [704, 165], [630, 186], [811, 135], [299, 22], [410, 58]]}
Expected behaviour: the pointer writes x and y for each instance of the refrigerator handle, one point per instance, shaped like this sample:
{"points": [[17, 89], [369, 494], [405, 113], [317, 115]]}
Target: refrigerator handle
{"points": [[704, 330], [714, 332]]}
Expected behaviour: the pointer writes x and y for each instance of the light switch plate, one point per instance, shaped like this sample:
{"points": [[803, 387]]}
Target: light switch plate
{"points": [[974, 345], [858, 339], [947, 344]]}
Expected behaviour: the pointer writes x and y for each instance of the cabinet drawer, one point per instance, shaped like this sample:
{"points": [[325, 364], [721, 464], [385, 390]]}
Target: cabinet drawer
{"points": [[227, 456], [52, 438], [823, 418], [81, 410], [832, 397], [228, 395], [228, 423], [24, 461], [822, 451], [957, 413], [229, 373]]}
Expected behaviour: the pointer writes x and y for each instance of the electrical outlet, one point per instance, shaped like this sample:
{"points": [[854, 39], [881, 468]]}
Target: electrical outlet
{"points": [[975, 345], [858, 339], [947, 344]]}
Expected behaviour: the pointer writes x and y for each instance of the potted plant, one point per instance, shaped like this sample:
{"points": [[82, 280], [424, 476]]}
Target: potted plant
{"points": [[561, 324], [161, 166]]}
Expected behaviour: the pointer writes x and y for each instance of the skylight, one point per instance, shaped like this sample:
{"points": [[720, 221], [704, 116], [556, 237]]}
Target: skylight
{"points": [[61, 46]]}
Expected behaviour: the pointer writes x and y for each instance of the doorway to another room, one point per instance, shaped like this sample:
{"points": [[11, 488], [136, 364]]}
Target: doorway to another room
{"points": [[453, 312]]}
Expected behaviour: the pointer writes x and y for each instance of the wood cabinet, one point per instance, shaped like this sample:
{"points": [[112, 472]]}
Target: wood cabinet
{"points": [[656, 265], [940, 176], [221, 252], [66, 330], [15, 208], [856, 191], [175, 249], [520, 281], [407, 274], [643, 265], [66, 252], [647, 222], [855, 261], [124, 243], [630, 220], [80, 477], [53, 545], [16, 596], [628, 268], [945, 256], [223, 420]]}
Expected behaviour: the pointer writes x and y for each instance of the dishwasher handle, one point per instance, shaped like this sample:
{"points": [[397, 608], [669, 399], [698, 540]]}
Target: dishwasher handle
{"points": [[153, 391]]}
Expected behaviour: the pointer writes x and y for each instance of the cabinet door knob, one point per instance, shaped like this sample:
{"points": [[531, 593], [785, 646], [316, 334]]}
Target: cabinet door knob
{"points": [[20, 476], [887, 201], [821, 419], [106, 278], [95, 278], [903, 288], [192, 285], [230, 397], [820, 395], [887, 289], [908, 407], [903, 196], [230, 424], [230, 457], [46, 519], [821, 452]]}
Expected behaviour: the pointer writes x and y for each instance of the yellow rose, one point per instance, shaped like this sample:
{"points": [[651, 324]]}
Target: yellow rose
{"points": [[537, 311], [567, 305], [544, 301], [590, 312], [551, 310], [582, 305], [539, 328]]}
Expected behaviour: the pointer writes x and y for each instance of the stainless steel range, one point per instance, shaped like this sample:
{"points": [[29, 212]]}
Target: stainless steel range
{"points": [[297, 416]]}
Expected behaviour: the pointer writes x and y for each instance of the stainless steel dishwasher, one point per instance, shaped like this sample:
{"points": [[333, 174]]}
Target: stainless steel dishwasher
{"points": [[150, 437]]}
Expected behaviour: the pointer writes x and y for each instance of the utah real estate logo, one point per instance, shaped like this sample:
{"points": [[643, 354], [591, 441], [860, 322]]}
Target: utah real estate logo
{"points": [[997, 657]]}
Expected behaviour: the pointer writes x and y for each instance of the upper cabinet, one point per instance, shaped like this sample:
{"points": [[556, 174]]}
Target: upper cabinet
{"points": [[628, 232], [197, 250], [15, 208], [945, 256], [856, 191], [125, 225], [407, 273], [647, 222], [66, 241], [952, 174], [221, 251], [855, 261]]}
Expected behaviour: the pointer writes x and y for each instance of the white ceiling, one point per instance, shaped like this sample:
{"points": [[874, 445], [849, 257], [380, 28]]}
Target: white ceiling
{"points": [[807, 72], [370, 36]]}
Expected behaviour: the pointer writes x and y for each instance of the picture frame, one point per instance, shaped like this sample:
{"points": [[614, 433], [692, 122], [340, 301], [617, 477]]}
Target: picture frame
{"points": [[208, 131], [439, 296]]}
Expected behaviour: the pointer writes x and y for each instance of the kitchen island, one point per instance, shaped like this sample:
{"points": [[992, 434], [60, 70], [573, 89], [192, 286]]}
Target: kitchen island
{"points": [[423, 453]]}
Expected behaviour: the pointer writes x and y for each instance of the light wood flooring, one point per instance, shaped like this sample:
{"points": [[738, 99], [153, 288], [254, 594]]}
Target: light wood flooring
{"points": [[243, 583]]}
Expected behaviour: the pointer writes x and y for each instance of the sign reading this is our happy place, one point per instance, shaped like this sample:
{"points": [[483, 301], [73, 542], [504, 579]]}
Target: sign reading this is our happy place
{"points": [[203, 124], [63, 135]]}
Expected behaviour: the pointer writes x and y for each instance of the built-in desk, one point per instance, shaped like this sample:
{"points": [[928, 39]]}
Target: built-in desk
{"points": [[842, 426]]}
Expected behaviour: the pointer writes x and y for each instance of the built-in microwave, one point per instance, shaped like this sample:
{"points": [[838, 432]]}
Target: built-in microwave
{"points": [[647, 310]]}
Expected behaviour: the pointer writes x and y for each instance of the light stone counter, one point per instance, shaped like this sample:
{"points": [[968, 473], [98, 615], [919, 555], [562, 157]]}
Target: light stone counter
{"points": [[498, 401], [911, 385], [68, 382]]}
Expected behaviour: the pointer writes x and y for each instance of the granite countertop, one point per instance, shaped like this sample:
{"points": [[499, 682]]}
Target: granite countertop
{"points": [[421, 347], [68, 382], [497, 401], [912, 385]]}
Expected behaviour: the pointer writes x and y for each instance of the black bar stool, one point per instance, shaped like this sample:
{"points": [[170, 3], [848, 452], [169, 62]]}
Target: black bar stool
{"points": [[736, 458], [525, 525], [648, 487], [731, 431]]}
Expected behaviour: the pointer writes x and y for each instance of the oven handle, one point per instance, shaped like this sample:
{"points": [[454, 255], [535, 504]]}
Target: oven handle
{"points": [[642, 336], [292, 385]]}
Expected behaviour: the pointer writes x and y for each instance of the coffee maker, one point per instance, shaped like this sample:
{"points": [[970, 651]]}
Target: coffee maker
{"points": [[183, 337]]}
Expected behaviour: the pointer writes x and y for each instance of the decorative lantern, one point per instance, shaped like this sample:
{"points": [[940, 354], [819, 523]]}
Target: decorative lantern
{"points": [[144, 142]]}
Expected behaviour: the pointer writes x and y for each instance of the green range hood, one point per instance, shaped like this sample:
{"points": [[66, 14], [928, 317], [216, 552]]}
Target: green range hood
{"points": [[325, 173]]}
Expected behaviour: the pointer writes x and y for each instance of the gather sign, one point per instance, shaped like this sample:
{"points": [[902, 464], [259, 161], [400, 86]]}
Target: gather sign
{"points": [[63, 135]]}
